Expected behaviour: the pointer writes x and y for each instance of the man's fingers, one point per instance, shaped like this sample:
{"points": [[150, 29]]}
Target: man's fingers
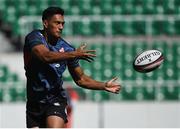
{"points": [[87, 51], [82, 58], [83, 46], [114, 79], [88, 59], [90, 55]]}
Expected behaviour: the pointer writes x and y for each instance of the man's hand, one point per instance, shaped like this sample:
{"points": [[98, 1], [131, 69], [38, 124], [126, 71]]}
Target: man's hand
{"points": [[82, 53], [112, 86]]}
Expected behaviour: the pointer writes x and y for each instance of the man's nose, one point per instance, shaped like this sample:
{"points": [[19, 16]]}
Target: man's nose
{"points": [[61, 26]]}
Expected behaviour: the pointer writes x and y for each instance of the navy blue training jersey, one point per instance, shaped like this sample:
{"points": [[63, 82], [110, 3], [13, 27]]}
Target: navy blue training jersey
{"points": [[44, 81]]}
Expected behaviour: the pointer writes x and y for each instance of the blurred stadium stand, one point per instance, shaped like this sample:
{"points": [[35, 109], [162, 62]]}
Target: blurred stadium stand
{"points": [[118, 30]]}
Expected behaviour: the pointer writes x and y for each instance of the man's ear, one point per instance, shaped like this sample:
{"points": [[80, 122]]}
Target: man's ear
{"points": [[45, 23]]}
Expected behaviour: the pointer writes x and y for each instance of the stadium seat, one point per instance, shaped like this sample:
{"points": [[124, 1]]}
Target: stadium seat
{"points": [[99, 96], [17, 93], [2, 5], [169, 7], [67, 76], [98, 27], [129, 92], [1, 94], [86, 67], [117, 54], [81, 28], [12, 77], [169, 28], [168, 92], [157, 27], [138, 6], [85, 7], [148, 7], [106, 7], [3, 73], [122, 28], [177, 25], [139, 27], [149, 92], [127, 7]]}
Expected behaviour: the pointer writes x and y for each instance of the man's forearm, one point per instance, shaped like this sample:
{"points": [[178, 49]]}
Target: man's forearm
{"points": [[89, 83], [52, 57]]}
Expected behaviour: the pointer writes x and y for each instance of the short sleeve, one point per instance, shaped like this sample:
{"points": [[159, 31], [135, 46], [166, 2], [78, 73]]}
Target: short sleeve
{"points": [[73, 63], [33, 39]]}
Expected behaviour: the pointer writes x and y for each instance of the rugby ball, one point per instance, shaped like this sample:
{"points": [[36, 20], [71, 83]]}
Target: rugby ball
{"points": [[148, 61]]}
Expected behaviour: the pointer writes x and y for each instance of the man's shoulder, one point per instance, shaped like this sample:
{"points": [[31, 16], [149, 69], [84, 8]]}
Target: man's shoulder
{"points": [[34, 33]]}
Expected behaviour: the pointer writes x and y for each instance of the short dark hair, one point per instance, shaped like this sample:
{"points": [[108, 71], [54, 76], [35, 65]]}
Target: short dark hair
{"points": [[50, 11]]}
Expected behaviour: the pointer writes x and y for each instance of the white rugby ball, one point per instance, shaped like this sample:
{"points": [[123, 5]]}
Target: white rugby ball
{"points": [[148, 61]]}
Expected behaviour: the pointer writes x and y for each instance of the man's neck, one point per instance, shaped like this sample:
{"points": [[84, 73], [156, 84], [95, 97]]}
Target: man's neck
{"points": [[49, 38]]}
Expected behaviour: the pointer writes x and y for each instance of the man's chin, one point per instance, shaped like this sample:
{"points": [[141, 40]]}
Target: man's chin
{"points": [[57, 36]]}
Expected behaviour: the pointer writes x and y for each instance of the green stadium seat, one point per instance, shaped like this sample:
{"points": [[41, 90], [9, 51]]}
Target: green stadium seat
{"points": [[99, 96], [17, 93], [127, 7], [72, 7], [171, 92], [169, 28], [158, 6], [117, 9], [81, 92], [98, 27], [169, 7], [21, 10], [167, 92], [96, 10], [159, 9], [139, 27], [148, 7], [16, 30], [85, 7], [129, 92], [149, 76], [97, 75], [96, 2], [122, 28], [10, 14], [116, 97], [12, 77], [177, 25], [106, 7], [6, 95], [32, 10], [97, 65], [67, 76], [117, 54], [3, 73], [157, 27], [139, 47], [1, 94], [107, 62], [149, 92], [2, 5], [74, 10], [81, 28], [86, 67], [160, 94], [9, 2], [137, 7]]}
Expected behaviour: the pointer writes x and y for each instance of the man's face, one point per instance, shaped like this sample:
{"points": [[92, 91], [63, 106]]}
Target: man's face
{"points": [[54, 25]]}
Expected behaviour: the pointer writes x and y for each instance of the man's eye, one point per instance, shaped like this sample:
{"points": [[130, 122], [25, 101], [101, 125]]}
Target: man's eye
{"points": [[61, 23]]}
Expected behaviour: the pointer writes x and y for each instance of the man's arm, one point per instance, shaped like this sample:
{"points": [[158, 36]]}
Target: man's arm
{"points": [[87, 82], [41, 52]]}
